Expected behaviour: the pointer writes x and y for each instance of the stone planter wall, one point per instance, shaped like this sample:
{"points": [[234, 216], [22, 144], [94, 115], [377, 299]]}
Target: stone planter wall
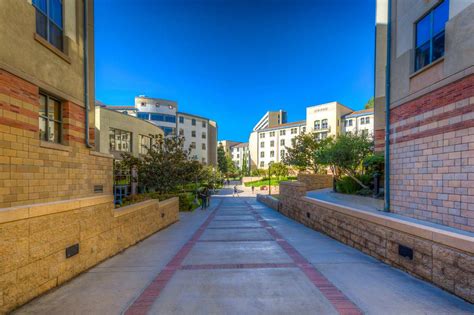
{"points": [[33, 240], [443, 258], [315, 181], [270, 201]]}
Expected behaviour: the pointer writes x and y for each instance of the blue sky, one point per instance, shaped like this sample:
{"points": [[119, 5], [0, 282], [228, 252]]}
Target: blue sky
{"points": [[232, 61]]}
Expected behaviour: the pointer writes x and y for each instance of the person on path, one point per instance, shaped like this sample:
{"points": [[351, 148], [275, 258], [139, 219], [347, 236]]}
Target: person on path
{"points": [[203, 196], [235, 192], [253, 189]]}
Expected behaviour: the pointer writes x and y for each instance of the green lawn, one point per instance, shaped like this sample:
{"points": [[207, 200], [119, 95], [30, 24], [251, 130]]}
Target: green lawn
{"points": [[273, 182]]}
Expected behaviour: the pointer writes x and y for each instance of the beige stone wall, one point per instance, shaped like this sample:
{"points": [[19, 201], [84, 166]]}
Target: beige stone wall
{"points": [[33, 240], [315, 181], [443, 258]]}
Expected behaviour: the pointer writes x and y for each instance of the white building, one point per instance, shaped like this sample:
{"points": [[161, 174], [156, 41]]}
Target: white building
{"points": [[269, 144], [240, 153], [359, 122], [200, 133]]}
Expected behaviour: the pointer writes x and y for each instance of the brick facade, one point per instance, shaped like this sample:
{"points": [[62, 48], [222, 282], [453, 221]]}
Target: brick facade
{"points": [[32, 171], [443, 258], [432, 156]]}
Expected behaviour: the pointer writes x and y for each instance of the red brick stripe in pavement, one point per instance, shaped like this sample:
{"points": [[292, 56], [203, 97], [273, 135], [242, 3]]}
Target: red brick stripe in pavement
{"points": [[338, 299]]}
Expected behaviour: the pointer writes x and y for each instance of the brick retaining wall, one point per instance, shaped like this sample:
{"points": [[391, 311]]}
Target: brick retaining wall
{"points": [[443, 258], [270, 201], [33, 240]]}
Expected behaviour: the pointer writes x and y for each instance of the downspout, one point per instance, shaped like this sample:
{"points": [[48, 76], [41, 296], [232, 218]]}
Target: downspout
{"points": [[387, 109], [86, 75]]}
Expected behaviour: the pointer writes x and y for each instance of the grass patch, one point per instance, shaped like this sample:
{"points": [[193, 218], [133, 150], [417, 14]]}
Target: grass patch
{"points": [[273, 182]]}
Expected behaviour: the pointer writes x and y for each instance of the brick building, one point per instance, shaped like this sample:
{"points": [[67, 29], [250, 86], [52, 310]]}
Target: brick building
{"points": [[431, 101]]}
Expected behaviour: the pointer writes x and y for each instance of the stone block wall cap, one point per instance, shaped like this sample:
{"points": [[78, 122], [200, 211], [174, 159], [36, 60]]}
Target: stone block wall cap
{"points": [[292, 183], [134, 207], [169, 201], [40, 209], [447, 238]]}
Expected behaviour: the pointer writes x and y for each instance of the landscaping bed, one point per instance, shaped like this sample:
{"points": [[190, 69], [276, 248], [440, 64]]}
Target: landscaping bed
{"points": [[186, 199]]}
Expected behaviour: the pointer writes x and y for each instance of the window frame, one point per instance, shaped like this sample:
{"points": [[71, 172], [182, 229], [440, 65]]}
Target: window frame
{"points": [[47, 119], [121, 132], [49, 20], [431, 61]]}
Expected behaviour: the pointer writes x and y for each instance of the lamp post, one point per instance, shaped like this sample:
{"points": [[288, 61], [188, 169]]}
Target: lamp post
{"points": [[270, 178]]}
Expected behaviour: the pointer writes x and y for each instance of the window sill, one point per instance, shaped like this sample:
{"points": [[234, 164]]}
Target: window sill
{"points": [[431, 65], [56, 51], [55, 146]]}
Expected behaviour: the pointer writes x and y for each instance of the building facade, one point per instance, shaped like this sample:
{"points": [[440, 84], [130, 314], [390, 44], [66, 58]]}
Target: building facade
{"points": [[118, 133], [270, 144], [200, 133], [240, 155], [360, 122], [431, 104]]}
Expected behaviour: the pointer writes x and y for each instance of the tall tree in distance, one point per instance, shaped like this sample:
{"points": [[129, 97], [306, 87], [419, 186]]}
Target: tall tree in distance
{"points": [[370, 103], [221, 159], [245, 165]]}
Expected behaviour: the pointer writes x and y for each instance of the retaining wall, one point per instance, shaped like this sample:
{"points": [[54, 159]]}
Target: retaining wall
{"points": [[441, 257], [315, 181], [33, 240]]}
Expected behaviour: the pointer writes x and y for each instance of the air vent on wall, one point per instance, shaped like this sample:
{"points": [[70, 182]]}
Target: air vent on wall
{"points": [[98, 189], [405, 251]]}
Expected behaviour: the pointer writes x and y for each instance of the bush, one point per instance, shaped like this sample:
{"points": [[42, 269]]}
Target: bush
{"points": [[186, 200], [347, 185]]}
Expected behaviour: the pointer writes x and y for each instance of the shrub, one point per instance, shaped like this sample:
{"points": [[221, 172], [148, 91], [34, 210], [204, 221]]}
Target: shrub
{"points": [[348, 185]]}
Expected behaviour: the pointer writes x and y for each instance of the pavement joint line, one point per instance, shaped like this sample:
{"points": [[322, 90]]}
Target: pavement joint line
{"points": [[148, 296], [238, 266], [236, 240], [339, 300]]}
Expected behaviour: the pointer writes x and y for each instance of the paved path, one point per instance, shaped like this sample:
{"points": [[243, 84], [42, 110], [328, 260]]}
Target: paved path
{"points": [[239, 257]]}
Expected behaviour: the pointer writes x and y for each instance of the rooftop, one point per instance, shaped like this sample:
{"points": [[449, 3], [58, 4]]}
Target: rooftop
{"points": [[361, 112], [295, 123]]}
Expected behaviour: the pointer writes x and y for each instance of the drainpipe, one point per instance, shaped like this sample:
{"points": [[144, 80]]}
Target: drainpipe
{"points": [[86, 74], [387, 109]]}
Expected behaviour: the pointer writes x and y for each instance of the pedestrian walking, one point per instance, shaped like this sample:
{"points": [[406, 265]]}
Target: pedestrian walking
{"points": [[253, 189], [203, 197], [235, 192]]}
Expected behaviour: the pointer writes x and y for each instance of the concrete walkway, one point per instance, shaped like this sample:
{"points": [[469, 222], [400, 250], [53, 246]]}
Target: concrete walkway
{"points": [[239, 257]]}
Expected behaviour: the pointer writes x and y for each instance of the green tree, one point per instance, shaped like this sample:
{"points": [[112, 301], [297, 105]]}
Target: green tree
{"points": [[165, 166], [370, 103], [279, 170], [232, 170], [221, 159], [245, 165], [345, 155], [302, 154]]}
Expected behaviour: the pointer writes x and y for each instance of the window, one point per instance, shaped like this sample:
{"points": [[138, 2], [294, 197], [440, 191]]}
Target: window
{"points": [[238, 155], [262, 164], [168, 131], [282, 154], [163, 117], [142, 115], [203, 160], [145, 144], [272, 143], [204, 124], [362, 121], [49, 21], [262, 135], [181, 132], [324, 135], [157, 105], [203, 135], [262, 154], [324, 124], [317, 124], [293, 142], [193, 145], [142, 104], [203, 146], [272, 153], [303, 129], [294, 131], [282, 142], [193, 122], [262, 144], [367, 120], [282, 132], [272, 133], [120, 140], [50, 119], [430, 36], [365, 132], [181, 119], [350, 122], [193, 133]]}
